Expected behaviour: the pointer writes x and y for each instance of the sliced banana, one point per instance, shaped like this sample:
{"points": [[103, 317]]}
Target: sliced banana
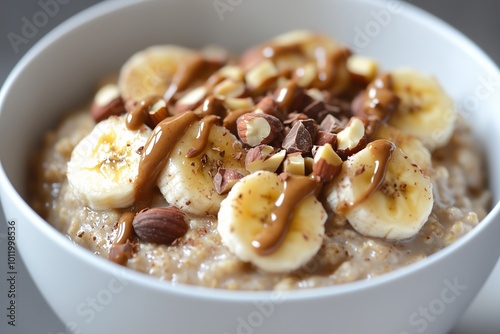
{"points": [[150, 71], [104, 165], [425, 110], [243, 215], [382, 192], [408, 143], [188, 183]]}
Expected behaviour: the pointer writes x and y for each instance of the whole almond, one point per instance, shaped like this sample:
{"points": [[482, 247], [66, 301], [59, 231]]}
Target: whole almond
{"points": [[160, 225]]}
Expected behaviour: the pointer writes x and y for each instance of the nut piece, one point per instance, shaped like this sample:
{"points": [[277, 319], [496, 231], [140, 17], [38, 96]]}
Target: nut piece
{"points": [[225, 179], [264, 157], [191, 100], [256, 129], [232, 72], [233, 103], [306, 74], [294, 164], [160, 225], [158, 112], [362, 69], [298, 139], [327, 164], [268, 106], [352, 139], [107, 102], [324, 137], [261, 75], [229, 88]]}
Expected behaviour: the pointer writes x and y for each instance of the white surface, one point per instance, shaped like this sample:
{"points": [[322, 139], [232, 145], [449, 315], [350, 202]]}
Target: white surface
{"points": [[488, 298]]}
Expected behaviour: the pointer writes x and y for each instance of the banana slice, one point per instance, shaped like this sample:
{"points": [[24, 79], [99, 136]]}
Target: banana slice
{"points": [[150, 71], [188, 183], [382, 192], [104, 165], [408, 143], [243, 215], [425, 110]]}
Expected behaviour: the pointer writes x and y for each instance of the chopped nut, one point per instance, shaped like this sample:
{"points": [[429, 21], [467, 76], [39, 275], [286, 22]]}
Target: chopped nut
{"points": [[264, 157], [352, 139], [107, 102], [191, 100], [229, 89], [362, 69], [291, 97], [327, 163], [232, 72], [261, 75], [160, 225], [233, 103], [225, 179], [306, 74], [158, 112], [294, 164], [256, 129], [298, 139], [324, 137]]}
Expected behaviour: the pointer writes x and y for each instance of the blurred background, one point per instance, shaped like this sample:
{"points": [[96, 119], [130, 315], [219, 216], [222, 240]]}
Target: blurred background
{"points": [[476, 19]]}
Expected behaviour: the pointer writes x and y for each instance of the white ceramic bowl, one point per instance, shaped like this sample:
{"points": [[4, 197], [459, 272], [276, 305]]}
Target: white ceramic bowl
{"points": [[92, 295]]}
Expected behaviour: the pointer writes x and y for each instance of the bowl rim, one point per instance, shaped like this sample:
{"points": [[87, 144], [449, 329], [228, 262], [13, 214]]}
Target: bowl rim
{"points": [[105, 8]]}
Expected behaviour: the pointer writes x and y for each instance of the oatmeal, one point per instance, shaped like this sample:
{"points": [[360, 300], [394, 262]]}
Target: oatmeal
{"points": [[296, 165]]}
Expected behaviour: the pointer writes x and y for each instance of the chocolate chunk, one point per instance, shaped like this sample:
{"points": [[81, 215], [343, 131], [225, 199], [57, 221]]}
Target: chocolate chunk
{"points": [[311, 126], [225, 179], [298, 139], [313, 109], [331, 124]]}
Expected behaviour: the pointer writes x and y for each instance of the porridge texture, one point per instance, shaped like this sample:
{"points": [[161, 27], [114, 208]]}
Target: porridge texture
{"points": [[296, 165]]}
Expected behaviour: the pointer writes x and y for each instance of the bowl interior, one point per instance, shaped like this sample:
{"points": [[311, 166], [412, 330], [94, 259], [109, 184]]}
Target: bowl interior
{"points": [[71, 59]]}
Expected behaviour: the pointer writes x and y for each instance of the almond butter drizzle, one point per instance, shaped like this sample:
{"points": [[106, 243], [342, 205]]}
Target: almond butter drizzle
{"points": [[379, 99], [140, 114], [202, 137], [118, 252], [295, 190], [125, 229], [381, 151], [156, 152]]}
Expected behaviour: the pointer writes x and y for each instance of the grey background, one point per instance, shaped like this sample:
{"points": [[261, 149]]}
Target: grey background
{"points": [[477, 19]]}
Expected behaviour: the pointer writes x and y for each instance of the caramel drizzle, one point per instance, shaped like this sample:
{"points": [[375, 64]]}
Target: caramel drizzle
{"points": [[295, 190]]}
